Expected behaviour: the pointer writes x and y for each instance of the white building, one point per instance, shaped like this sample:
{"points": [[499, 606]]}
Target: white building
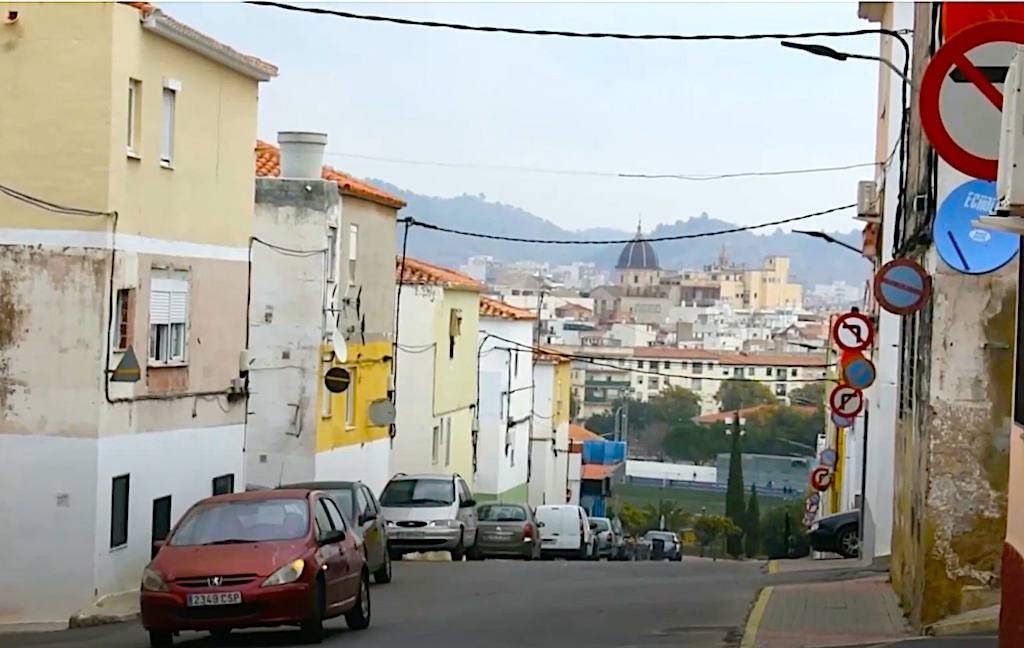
{"points": [[549, 440], [506, 397]]}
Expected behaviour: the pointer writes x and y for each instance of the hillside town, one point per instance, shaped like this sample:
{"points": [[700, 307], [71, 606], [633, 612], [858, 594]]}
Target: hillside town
{"points": [[232, 400]]}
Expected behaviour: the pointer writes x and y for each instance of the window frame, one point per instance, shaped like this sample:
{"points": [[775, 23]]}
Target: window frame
{"points": [[353, 252], [161, 341], [350, 401], [168, 121], [119, 528], [133, 144], [218, 479], [330, 504], [332, 253], [123, 311]]}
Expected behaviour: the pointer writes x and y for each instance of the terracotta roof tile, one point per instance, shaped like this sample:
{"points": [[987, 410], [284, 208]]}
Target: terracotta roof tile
{"points": [[733, 358], [547, 354], [580, 433], [500, 310], [268, 165], [146, 9], [674, 353], [598, 471], [423, 273]]}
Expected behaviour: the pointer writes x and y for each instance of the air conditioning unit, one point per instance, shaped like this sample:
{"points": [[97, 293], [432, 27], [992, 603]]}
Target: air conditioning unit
{"points": [[1009, 208], [867, 200]]}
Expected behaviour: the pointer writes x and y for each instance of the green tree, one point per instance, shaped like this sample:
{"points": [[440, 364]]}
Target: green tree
{"points": [[736, 393], [773, 532], [811, 394], [734, 504], [752, 536], [673, 406], [783, 430], [710, 528], [633, 519]]}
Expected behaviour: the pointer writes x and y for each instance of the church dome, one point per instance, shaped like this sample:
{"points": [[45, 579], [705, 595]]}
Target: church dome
{"points": [[638, 255]]}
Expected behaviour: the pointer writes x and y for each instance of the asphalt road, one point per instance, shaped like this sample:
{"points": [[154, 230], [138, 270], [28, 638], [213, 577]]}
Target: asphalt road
{"points": [[692, 604]]}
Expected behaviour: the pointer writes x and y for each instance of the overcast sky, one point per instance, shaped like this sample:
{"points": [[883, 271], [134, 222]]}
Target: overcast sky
{"points": [[437, 95]]}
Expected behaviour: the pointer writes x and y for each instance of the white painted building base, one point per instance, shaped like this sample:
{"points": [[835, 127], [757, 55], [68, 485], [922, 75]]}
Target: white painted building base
{"points": [[55, 504], [367, 463]]}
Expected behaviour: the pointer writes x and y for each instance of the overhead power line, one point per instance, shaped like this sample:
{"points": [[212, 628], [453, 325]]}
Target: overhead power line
{"points": [[695, 177], [572, 34], [50, 206], [411, 222]]}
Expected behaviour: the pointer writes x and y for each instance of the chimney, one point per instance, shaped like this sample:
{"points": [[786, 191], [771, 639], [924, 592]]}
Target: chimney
{"points": [[302, 154]]}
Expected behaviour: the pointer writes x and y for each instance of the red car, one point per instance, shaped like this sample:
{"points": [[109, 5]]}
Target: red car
{"points": [[257, 559]]}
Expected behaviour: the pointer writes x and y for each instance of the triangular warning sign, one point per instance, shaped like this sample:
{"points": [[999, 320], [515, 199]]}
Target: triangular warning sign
{"points": [[128, 369]]}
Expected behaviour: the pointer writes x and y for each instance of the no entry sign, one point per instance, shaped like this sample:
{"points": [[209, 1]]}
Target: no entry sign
{"points": [[853, 332], [960, 102], [821, 478], [846, 401], [902, 286]]}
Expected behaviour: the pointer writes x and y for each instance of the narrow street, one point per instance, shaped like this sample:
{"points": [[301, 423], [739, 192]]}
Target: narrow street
{"points": [[693, 604]]}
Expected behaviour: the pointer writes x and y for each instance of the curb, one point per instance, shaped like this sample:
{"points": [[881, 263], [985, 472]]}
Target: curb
{"points": [[93, 620], [955, 627], [755, 618]]}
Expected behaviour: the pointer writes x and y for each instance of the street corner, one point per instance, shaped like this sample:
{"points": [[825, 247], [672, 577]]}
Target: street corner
{"points": [[969, 623], [749, 639], [118, 608]]}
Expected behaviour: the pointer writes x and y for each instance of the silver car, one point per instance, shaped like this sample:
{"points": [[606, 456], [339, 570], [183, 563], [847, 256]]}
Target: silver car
{"points": [[429, 513]]}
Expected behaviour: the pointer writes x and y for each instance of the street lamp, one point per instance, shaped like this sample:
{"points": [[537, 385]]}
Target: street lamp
{"points": [[828, 52], [829, 239]]}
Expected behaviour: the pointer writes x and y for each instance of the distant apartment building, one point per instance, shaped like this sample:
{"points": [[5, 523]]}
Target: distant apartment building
{"points": [[123, 300]]}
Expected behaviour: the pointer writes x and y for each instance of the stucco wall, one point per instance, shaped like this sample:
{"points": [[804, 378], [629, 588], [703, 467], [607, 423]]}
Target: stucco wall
{"points": [[286, 327], [411, 450], [375, 264], [542, 457], [455, 377]]}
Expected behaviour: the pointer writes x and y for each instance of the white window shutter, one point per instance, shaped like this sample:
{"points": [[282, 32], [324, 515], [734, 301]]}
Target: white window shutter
{"points": [[159, 307], [178, 307]]}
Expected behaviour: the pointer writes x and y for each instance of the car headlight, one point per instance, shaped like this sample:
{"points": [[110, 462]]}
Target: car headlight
{"points": [[450, 524], [152, 581], [287, 574]]}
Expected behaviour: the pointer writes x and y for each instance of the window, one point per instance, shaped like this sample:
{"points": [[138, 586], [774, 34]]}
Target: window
{"points": [[780, 389], [464, 493], [323, 520], [350, 401], [353, 247], [696, 383], [371, 499], [738, 372], [768, 371], [362, 504], [224, 484], [119, 512], [435, 444], [168, 316], [161, 523], [448, 442], [698, 368], [332, 253], [170, 100], [327, 401], [123, 313], [334, 513], [134, 119], [653, 383], [792, 373]]}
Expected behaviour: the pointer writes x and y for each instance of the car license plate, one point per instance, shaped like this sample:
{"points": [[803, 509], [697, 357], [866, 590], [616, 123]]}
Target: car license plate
{"points": [[499, 537], [219, 598], [548, 540], [408, 534]]}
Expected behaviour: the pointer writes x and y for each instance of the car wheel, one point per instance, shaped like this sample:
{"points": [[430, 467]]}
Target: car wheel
{"points": [[159, 639], [458, 552], [312, 629], [474, 552], [848, 543], [358, 618], [383, 575]]}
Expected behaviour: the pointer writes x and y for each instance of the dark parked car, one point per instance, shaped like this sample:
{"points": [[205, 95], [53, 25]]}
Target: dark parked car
{"points": [[838, 533], [361, 508], [663, 545], [508, 530], [258, 559]]}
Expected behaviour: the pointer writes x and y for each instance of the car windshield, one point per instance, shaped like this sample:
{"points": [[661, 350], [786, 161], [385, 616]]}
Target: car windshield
{"points": [[243, 521], [419, 492], [501, 513], [660, 535], [343, 498], [601, 524]]}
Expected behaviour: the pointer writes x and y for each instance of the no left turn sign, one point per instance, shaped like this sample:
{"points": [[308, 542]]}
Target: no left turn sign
{"points": [[853, 332], [846, 401]]}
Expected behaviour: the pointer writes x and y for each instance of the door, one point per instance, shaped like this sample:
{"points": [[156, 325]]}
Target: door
{"points": [[161, 527], [370, 526], [467, 513], [331, 558], [351, 556]]}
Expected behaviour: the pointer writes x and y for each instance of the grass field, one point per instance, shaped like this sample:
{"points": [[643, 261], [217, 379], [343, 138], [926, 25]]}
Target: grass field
{"points": [[688, 499]]}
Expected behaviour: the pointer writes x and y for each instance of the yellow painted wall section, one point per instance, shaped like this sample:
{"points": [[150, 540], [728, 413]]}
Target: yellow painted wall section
{"points": [[462, 444], [563, 389], [455, 377], [207, 196], [370, 375], [55, 120]]}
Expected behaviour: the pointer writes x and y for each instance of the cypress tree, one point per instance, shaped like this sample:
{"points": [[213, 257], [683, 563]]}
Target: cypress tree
{"points": [[752, 540], [734, 504]]}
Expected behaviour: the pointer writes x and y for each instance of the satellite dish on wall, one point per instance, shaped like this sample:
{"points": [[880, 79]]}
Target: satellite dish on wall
{"points": [[339, 345], [381, 412]]}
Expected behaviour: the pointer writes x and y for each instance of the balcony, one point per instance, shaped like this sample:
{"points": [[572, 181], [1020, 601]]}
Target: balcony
{"points": [[606, 384]]}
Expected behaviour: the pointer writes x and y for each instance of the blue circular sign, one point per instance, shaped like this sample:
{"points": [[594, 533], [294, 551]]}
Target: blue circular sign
{"points": [[963, 246], [860, 373]]}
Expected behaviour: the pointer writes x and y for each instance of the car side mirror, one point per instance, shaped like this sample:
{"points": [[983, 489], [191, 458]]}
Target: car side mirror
{"points": [[157, 546], [468, 503], [369, 516], [593, 525], [540, 524], [331, 537]]}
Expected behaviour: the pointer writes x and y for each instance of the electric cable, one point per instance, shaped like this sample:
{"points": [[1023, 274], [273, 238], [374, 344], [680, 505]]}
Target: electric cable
{"points": [[51, 206]]}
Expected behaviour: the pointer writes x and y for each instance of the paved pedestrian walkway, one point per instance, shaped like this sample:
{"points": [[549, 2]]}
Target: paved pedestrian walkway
{"points": [[837, 613]]}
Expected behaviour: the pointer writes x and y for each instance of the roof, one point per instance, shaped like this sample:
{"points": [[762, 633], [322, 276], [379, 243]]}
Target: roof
{"points": [[500, 310], [547, 354], [580, 433], [598, 471], [428, 274], [749, 411], [160, 23], [268, 165], [674, 353], [732, 357], [638, 255]]}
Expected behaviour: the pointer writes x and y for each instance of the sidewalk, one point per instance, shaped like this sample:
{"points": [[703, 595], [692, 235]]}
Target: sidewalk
{"points": [[838, 613]]}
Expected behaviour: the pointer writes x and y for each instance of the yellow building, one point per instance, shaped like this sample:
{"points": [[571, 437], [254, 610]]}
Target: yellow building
{"points": [[769, 287], [122, 321], [437, 358], [353, 428]]}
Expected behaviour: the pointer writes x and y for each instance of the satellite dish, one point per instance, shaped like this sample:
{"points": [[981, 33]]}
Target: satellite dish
{"points": [[381, 412], [339, 345]]}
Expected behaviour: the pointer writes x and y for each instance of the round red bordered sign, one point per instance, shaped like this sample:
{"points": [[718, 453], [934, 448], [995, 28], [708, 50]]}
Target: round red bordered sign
{"points": [[902, 286], [954, 55], [821, 478], [846, 401], [853, 332]]}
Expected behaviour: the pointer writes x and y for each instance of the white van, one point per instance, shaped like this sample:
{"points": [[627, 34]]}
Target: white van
{"points": [[565, 530]]}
